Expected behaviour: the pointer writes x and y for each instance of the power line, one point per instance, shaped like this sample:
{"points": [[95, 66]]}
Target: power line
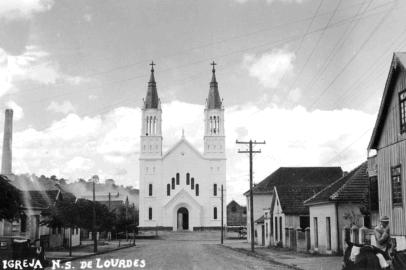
{"points": [[316, 45], [354, 56]]}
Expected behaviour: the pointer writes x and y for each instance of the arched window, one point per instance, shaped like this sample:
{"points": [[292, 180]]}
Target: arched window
{"points": [[197, 189], [146, 126], [150, 213], [215, 124], [168, 190], [173, 183], [154, 132], [211, 124], [177, 178], [218, 124], [187, 178], [215, 190], [150, 189], [215, 213], [192, 184]]}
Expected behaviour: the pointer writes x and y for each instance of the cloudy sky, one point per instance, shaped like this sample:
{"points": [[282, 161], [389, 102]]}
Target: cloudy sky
{"points": [[306, 76]]}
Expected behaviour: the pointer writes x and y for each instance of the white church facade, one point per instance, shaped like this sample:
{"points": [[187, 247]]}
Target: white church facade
{"points": [[181, 189]]}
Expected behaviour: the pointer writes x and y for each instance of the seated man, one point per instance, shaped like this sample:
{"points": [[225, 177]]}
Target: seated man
{"points": [[382, 237]]}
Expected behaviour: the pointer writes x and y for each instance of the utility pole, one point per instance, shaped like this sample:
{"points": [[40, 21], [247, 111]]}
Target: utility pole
{"points": [[250, 151], [222, 222]]}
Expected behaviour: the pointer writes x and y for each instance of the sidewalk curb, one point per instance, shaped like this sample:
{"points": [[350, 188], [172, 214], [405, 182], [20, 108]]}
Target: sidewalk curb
{"points": [[94, 254], [260, 256]]}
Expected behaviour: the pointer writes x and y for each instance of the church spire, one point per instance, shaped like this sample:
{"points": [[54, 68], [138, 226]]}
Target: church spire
{"points": [[152, 100], [214, 101]]}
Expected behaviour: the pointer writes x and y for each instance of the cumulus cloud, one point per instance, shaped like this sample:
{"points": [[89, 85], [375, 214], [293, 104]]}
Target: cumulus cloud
{"points": [[64, 107], [272, 1], [295, 95], [270, 68], [78, 164], [77, 146], [33, 64], [18, 112], [23, 9]]}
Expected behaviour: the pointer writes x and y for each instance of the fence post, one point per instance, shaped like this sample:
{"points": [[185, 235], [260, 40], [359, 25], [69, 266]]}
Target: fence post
{"points": [[355, 234], [307, 238]]}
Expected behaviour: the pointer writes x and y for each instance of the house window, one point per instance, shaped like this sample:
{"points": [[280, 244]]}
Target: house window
{"points": [[192, 184], [316, 233], [23, 225], [402, 107], [328, 232], [187, 178], [173, 183], [77, 230], [150, 213], [177, 178], [233, 209], [215, 189], [215, 212], [150, 189], [197, 189], [276, 229], [59, 229], [168, 190], [304, 222], [396, 185], [280, 229], [373, 194]]}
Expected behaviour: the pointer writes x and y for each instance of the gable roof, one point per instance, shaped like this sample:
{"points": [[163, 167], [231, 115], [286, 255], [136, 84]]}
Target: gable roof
{"points": [[352, 187], [180, 142], [260, 220], [39, 198], [297, 176], [398, 63]]}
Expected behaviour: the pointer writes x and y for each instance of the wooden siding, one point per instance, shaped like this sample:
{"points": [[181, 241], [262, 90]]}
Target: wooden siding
{"points": [[387, 157], [391, 130], [391, 152]]}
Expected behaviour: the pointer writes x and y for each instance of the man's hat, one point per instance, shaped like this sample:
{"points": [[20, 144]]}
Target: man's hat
{"points": [[384, 219]]}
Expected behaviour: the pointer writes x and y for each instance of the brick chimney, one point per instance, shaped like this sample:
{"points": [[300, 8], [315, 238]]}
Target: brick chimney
{"points": [[6, 162]]}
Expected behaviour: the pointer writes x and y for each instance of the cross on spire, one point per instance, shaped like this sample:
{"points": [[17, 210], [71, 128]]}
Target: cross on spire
{"points": [[213, 64], [152, 66]]}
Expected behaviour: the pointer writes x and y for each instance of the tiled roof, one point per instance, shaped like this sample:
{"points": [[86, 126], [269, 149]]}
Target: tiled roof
{"points": [[297, 177], [260, 220], [38, 198], [291, 198], [352, 187]]}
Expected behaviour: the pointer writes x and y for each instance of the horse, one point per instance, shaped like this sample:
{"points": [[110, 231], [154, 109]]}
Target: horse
{"points": [[367, 259]]}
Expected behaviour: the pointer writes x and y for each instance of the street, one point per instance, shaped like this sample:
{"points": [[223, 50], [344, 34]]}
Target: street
{"points": [[184, 251]]}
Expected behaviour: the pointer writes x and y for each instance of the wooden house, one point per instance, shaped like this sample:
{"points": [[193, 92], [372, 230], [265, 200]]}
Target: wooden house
{"points": [[236, 214], [387, 150]]}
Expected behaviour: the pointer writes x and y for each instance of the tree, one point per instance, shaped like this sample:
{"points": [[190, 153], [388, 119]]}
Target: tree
{"points": [[10, 200], [63, 214]]}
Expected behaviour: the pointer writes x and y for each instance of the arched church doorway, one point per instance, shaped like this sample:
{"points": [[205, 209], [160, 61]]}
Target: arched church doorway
{"points": [[183, 219]]}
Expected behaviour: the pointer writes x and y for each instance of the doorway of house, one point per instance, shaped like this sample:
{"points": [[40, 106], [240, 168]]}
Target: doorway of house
{"points": [[183, 219]]}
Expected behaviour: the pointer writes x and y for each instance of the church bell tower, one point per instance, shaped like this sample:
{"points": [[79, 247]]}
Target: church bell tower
{"points": [[214, 135], [151, 127]]}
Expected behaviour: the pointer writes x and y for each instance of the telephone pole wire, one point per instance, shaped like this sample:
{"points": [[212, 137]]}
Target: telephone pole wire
{"points": [[250, 151]]}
